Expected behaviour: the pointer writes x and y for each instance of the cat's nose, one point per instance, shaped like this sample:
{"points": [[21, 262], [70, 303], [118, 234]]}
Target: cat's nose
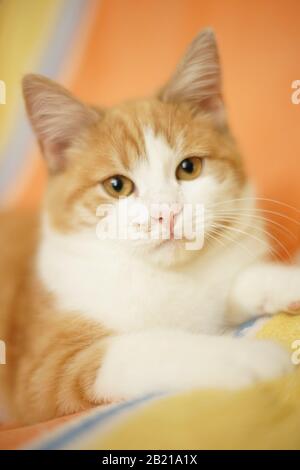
{"points": [[166, 214], [161, 212]]}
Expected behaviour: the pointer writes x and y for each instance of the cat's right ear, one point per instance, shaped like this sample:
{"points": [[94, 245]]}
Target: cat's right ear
{"points": [[197, 78], [56, 117]]}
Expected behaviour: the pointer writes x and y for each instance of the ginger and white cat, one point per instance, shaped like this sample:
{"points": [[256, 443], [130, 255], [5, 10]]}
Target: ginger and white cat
{"points": [[88, 321]]}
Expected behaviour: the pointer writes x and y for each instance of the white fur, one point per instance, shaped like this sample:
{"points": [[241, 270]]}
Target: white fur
{"points": [[127, 293], [266, 288], [156, 184], [162, 360], [161, 312]]}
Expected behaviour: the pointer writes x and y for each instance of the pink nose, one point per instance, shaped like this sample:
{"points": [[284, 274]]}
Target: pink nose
{"points": [[166, 214], [165, 217]]}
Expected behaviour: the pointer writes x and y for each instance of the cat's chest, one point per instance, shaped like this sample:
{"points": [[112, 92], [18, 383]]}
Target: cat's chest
{"points": [[127, 296], [137, 298]]}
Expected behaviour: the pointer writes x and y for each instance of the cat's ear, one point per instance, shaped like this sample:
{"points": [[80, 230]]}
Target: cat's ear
{"points": [[56, 117], [197, 78]]}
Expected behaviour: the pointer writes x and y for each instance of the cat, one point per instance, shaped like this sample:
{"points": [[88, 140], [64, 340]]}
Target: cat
{"points": [[89, 321]]}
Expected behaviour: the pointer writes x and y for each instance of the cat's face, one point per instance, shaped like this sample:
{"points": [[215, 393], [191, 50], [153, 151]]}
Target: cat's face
{"points": [[142, 173]]}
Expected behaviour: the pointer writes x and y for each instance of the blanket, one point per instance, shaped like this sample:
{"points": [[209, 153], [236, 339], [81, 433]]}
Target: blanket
{"points": [[264, 416]]}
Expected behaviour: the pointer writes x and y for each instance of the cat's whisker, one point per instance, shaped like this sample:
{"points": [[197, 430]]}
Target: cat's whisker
{"points": [[245, 211], [259, 217], [268, 234], [228, 238], [211, 237], [236, 219], [271, 249], [253, 198], [218, 223]]}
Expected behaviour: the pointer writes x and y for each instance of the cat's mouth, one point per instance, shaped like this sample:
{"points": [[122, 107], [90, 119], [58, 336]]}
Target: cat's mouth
{"points": [[181, 244], [171, 236]]}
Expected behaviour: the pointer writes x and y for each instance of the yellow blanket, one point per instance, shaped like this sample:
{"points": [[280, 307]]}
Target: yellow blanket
{"points": [[266, 416]]}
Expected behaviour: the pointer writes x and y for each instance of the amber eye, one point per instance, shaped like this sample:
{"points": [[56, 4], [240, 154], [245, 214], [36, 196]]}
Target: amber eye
{"points": [[117, 186], [189, 169]]}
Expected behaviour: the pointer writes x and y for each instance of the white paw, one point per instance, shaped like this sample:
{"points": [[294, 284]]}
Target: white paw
{"points": [[283, 294], [267, 289], [254, 361], [285, 301]]}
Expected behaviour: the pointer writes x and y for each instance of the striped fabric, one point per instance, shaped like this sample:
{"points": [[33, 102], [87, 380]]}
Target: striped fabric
{"points": [[94, 423], [264, 416], [34, 37]]}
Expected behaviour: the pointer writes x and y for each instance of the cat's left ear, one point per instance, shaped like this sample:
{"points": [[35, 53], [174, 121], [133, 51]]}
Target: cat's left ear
{"points": [[57, 118], [197, 78]]}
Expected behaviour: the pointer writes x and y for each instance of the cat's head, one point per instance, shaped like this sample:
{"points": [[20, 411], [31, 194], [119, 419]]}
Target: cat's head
{"points": [[165, 154]]}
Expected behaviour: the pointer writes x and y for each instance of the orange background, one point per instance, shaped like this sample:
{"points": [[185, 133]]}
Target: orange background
{"points": [[133, 45]]}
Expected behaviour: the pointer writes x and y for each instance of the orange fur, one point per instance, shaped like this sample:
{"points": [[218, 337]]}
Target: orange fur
{"points": [[115, 142], [53, 356]]}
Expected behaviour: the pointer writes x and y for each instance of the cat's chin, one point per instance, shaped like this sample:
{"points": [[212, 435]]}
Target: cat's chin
{"points": [[169, 253]]}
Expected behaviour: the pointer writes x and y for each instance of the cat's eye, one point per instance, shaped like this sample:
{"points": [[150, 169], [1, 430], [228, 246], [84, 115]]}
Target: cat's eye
{"points": [[189, 169], [118, 186]]}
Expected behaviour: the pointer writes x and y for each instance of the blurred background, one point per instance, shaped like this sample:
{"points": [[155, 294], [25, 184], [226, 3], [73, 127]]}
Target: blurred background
{"points": [[110, 50]]}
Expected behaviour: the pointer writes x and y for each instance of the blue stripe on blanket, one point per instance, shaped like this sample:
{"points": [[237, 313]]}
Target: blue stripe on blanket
{"points": [[64, 436], [240, 331], [246, 327]]}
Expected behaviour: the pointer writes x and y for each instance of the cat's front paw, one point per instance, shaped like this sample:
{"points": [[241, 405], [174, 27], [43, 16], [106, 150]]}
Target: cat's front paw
{"points": [[287, 302], [266, 289], [258, 361], [294, 308]]}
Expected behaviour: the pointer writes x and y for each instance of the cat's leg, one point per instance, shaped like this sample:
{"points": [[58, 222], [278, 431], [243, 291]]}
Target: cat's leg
{"points": [[83, 369], [265, 289], [163, 360], [54, 366]]}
